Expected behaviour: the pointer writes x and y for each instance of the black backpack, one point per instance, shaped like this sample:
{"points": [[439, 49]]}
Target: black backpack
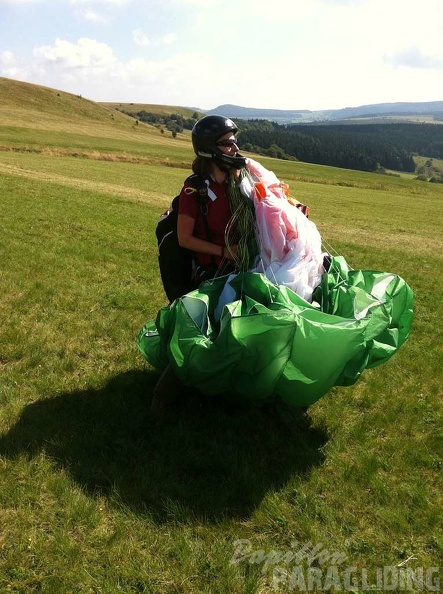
{"points": [[176, 262]]}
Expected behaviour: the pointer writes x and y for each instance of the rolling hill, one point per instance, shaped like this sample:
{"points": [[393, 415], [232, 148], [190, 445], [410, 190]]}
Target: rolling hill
{"points": [[32, 104], [186, 112], [404, 111], [40, 118]]}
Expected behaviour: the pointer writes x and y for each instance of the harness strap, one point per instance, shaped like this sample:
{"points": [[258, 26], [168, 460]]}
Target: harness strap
{"points": [[201, 189]]}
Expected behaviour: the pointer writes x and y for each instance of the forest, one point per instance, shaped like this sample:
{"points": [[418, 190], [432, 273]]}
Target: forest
{"points": [[364, 147]]}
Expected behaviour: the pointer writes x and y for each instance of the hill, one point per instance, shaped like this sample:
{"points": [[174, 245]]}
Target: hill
{"points": [[276, 115], [27, 102], [385, 110], [69, 123], [40, 118], [186, 112], [32, 105], [281, 116], [406, 109]]}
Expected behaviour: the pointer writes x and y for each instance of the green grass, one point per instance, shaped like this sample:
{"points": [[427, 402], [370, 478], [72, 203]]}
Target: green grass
{"points": [[95, 496], [150, 108]]}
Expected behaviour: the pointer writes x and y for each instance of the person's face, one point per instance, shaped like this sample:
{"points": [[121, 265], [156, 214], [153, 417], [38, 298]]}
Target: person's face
{"points": [[228, 144]]}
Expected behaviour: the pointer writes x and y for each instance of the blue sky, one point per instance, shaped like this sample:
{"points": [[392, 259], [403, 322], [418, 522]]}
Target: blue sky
{"points": [[283, 54]]}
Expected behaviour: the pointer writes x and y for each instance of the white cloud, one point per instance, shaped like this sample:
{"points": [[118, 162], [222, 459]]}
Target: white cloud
{"points": [[140, 38], [414, 57], [169, 39], [201, 3], [92, 2], [93, 70], [170, 74], [287, 54], [92, 16], [85, 54], [10, 67], [19, 2], [7, 58]]}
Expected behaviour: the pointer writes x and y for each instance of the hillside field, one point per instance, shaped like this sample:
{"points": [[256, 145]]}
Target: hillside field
{"points": [[95, 495]]}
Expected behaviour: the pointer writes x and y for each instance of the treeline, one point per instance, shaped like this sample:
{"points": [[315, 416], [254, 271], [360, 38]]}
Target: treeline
{"points": [[366, 147], [173, 122]]}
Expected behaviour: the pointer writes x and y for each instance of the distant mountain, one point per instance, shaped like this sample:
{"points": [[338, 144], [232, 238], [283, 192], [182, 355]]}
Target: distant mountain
{"points": [[393, 109], [276, 115], [303, 116]]}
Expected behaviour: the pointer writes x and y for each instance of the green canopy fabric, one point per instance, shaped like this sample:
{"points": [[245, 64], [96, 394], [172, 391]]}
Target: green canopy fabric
{"points": [[270, 343]]}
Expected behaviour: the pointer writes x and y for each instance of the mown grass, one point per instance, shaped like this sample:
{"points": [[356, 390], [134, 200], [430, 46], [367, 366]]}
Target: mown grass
{"points": [[95, 496], [137, 141]]}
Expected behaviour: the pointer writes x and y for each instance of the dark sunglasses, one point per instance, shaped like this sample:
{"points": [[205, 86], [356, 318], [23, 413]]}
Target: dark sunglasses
{"points": [[227, 143]]}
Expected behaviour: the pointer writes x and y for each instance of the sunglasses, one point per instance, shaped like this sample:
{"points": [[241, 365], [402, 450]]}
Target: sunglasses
{"points": [[227, 143]]}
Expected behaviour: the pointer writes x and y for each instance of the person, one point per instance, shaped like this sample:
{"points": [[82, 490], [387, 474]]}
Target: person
{"points": [[218, 163], [217, 159], [247, 221]]}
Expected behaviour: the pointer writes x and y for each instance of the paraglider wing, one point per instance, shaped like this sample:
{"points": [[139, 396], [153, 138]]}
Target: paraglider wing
{"points": [[283, 329], [269, 343]]}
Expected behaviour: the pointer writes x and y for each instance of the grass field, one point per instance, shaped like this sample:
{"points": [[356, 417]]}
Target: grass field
{"points": [[186, 112], [95, 496]]}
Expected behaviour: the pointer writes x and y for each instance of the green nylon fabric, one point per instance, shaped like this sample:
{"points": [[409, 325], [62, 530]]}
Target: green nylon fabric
{"points": [[270, 343]]}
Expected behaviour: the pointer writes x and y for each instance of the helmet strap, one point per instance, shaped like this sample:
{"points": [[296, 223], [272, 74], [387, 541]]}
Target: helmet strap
{"points": [[225, 162]]}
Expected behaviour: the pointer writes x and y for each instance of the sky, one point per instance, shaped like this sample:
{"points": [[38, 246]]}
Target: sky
{"points": [[276, 54]]}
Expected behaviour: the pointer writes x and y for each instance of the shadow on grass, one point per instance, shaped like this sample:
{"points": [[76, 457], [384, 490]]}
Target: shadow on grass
{"points": [[205, 460]]}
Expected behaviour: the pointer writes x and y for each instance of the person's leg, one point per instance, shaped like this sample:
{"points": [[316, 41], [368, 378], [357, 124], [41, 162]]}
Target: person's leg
{"points": [[166, 390]]}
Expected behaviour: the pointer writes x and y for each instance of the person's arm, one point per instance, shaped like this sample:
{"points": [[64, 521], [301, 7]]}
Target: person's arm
{"points": [[186, 238]]}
